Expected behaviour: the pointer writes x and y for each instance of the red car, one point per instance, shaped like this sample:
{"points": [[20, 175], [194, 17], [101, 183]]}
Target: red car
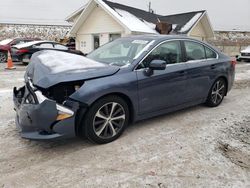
{"points": [[5, 46]]}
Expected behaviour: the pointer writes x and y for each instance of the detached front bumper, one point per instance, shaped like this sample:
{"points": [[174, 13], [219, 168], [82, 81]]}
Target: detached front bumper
{"points": [[40, 118]]}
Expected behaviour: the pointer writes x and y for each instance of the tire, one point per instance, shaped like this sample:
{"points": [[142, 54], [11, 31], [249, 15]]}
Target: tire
{"points": [[3, 57], [101, 124], [25, 57], [217, 93]]}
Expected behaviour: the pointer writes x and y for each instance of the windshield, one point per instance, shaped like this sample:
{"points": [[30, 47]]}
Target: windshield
{"points": [[119, 52], [6, 41]]}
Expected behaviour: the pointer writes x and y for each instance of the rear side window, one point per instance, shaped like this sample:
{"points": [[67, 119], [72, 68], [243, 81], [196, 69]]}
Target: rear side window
{"points": [[194, 51], [210, 54], [45, 45], [60, 47]]}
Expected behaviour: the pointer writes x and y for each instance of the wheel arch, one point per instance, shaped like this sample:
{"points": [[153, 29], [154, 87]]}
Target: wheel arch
{"points": [[127, 100], [226, 80], [81, 114]]}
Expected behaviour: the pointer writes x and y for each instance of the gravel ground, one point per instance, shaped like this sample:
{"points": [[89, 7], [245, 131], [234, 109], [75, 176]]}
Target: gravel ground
{"points": [[196, 147]]}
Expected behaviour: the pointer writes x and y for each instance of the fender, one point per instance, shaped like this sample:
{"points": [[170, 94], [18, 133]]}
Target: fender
{"points": [[124, 83]]}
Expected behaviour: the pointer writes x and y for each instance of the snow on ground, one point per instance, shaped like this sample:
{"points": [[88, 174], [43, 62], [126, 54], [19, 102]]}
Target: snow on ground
{"points": [[195, 147]]}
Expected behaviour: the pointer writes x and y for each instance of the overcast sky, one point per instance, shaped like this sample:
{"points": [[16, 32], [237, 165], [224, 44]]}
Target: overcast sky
{"points": [[224, 14]]}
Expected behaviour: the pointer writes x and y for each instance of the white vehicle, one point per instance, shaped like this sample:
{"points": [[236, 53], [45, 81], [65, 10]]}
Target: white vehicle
{"points": [[244, 54]]}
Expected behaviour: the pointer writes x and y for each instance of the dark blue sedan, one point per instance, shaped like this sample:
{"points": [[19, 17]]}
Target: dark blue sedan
{"points": [[124, 81]]}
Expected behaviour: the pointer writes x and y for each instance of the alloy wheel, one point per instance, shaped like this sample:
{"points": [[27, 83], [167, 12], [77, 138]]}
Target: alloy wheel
{"points": [[218, 92], [109, 120]]}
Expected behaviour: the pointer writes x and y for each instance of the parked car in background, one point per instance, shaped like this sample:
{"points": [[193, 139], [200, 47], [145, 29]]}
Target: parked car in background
{"points": [[23, 52], [127, 80], [244, 55], [5, 46]]}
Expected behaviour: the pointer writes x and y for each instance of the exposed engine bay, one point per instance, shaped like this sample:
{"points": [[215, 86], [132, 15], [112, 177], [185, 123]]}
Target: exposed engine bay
{"points": [[61, 92]]}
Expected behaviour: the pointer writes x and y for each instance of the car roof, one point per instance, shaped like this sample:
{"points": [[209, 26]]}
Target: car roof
{"points": [[28, 44], [158, 37]]}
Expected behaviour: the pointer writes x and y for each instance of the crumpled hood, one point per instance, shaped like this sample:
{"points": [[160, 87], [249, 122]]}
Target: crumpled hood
{"points": [[48, 68]]}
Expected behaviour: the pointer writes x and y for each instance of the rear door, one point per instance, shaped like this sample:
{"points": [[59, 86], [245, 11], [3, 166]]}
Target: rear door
{"points": [[164, 88], [202, 65]]}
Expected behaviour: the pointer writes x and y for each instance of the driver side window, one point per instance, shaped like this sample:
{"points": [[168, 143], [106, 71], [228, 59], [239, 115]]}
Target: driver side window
{"points": [[169, 52]]}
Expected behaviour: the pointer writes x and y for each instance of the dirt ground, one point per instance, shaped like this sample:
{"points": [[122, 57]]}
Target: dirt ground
{"points": [[196, 147]]}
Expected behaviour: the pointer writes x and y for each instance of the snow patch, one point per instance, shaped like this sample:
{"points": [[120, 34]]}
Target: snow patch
{"points": [[134, 23], [6, 41], [190, 23], [151, 25], [129, 20], [59, 62], [174, 26]]}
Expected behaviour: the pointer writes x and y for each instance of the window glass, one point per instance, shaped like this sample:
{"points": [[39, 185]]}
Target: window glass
{"points": [[45, 45], [18, 42], [113, 37], [210, 53], [194, 51], [122, 50], [60, 47], [119, 52], [169, 52]]}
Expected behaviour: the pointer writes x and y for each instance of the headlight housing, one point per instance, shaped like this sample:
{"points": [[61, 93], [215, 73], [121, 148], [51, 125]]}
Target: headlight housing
{"points": [[63, 112]]}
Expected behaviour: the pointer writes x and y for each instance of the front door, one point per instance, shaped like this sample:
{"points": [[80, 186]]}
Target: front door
{"points": [[96, 41], [164, 88]]}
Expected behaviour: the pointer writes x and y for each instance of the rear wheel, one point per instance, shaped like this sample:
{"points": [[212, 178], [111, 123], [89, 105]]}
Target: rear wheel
{"points": [[3, 57], [217, 93], [106, 120]]}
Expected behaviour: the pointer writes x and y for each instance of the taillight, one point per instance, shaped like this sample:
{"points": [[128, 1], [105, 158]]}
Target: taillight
{"points": [[22, 51], [234, 62]]}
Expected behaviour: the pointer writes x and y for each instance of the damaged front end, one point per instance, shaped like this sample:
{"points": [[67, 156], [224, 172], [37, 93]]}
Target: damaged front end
{"points": [[45, 114], [43, 106]]}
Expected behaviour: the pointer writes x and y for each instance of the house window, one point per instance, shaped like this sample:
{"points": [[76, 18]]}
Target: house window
{"points": [[113, 37]]}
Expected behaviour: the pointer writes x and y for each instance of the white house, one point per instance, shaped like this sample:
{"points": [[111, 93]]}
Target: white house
{"points": [[101, 21]]}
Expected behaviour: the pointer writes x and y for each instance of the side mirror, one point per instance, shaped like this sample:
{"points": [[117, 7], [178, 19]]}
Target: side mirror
{"points": [[158, 65], [155, 65]]}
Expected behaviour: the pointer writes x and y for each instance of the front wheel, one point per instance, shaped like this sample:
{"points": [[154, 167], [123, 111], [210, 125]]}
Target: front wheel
{"points": [[106, 120], [217, 93], [3, 57]]}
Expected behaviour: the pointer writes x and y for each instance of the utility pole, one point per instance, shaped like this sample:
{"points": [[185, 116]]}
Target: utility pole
{"points": [[149, 8]]}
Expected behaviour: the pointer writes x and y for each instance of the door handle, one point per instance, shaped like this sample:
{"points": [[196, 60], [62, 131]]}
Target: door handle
{"points": [[182, 72], [213, 66]]}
